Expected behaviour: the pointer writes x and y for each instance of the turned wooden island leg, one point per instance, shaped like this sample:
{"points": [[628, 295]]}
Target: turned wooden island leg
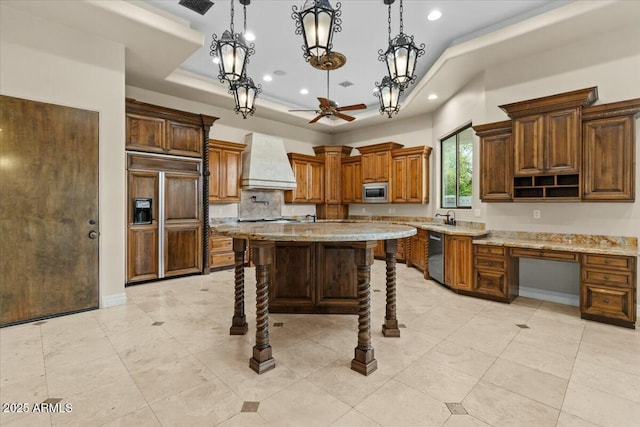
{"points": [[364, 361], [262, 359], [239, 321], [390, 326]]}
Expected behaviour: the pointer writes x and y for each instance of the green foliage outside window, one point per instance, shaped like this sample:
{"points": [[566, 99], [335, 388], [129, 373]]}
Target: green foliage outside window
{"points": [[457, 169]]}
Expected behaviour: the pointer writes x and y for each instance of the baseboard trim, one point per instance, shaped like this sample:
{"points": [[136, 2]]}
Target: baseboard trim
{"points": [[113, 300], [546, 295]]}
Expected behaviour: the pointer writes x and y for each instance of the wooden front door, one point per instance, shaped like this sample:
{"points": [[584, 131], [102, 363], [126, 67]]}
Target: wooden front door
{"points": [[48, 209]]}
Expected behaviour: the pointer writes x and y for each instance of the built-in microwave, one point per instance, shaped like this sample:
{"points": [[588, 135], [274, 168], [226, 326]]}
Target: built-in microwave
{"points": [[375, 192]]}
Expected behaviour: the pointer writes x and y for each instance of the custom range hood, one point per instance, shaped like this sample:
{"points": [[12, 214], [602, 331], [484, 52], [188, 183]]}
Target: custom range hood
{"points": [[265, 165]]}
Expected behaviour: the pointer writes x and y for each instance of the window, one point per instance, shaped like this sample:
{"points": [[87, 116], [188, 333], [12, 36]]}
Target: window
{"points": [[457, 156]]}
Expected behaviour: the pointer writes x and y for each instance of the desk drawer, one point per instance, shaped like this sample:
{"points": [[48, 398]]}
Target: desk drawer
{"points": [[489, 250], [608, 277], [491, 283], [608, 261], [492, 263], [544, 254], [615, 303]]}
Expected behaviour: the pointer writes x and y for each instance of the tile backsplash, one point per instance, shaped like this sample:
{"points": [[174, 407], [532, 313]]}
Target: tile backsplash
{"points": [[258, 204]]}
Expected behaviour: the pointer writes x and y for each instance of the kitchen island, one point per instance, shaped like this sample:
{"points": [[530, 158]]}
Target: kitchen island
{"points": [[355, 241]]}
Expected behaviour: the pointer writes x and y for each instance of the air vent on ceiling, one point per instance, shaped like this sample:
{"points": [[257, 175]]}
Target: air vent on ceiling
{"points": [[346, 83], [198, 6]]}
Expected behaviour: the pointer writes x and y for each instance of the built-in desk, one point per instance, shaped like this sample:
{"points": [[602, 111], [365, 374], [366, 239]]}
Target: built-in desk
{"points": [[607, 271]]}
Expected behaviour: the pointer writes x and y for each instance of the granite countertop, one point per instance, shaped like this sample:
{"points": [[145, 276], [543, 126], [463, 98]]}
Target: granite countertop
{"points": [[458, 230], [603, 247], [316, 231]]}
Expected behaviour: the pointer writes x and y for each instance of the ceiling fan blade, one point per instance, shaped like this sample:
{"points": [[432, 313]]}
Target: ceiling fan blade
{"points": [[318, 117], [291, 111], [324, 102], [345, 117], [352, 107]]}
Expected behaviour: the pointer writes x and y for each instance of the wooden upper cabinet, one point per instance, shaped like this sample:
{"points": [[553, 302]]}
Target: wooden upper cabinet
{"points": [[376, 161], [332, 156], [547, 143], [309, 173], [352, 179], [410, 175], [609, 151], [145, 133], [156, 129], [183, 139], [547, 132], [496, 161], [225, 171]]}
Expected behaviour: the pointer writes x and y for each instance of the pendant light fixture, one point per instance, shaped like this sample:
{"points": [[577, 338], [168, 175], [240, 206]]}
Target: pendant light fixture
{"points": [[231, 51], [317, 21], [401, 54], [245, 93], [388, 94]]}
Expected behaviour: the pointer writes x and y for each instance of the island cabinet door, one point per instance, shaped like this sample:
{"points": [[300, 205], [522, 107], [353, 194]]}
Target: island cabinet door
{"points": [[337, 279], [292, 278]]}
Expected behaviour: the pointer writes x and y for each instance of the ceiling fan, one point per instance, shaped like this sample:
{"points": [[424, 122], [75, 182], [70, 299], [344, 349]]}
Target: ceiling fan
{"points": [[329, 108]]}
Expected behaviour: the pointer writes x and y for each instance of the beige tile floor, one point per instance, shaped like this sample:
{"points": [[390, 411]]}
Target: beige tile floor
{"points": [[166, 358]]}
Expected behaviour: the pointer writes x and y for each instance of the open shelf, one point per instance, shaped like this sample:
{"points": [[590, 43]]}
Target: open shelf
{"points": [[547, 187]]}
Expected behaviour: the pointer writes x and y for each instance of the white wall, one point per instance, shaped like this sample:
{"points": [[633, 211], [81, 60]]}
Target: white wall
{"points": [[43, 61]]}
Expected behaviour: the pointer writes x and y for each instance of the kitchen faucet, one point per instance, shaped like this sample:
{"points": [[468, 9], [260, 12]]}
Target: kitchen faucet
{"points": [[448, 215], [312, 217]]}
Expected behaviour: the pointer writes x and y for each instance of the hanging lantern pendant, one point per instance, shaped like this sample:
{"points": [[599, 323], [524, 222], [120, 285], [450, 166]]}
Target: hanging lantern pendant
{"points": [[232, 52], [401, 54], [317, 21]]}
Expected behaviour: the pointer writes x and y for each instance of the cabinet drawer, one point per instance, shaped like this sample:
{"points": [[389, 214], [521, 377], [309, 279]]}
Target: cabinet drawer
{"points": [[490, 283], [608, 277], [617, 303], [626, 263], [489, 250], [221, 245], [492, 263], [222, 260], [544, 254]]}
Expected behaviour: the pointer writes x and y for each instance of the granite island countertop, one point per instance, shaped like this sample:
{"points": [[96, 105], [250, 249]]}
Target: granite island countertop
{"points": [[315, 231]]}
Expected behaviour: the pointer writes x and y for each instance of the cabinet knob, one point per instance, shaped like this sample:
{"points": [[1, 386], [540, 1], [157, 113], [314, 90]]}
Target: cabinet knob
{"points": [[607, 261], [606, 277], [606, 300]]}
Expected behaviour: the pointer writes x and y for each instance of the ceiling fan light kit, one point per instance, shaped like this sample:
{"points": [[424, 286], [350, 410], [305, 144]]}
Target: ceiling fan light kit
{"points": [[317, 21]]}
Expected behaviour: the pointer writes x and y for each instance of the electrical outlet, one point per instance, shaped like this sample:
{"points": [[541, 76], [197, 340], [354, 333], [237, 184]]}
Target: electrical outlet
{"points": [[363, 210], [392, 210], [477, 213], [536, 214]]}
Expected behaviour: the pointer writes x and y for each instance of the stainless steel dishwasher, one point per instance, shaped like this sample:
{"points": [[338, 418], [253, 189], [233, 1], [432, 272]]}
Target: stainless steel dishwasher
{"points": [[436, 256]]}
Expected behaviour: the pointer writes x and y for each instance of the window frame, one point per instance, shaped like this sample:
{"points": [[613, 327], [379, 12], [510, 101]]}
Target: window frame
{"points": [[455, 133]]}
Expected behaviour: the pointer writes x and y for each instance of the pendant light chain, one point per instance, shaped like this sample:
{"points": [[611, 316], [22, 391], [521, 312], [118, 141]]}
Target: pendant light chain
{"points": [[244, 8], [401, 23], [389, 22], [231, 16]]}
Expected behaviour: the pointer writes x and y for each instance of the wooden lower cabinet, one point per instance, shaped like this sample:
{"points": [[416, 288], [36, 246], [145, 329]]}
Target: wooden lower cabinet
{"points": [[379, 252], [220, 252], [458, 265], [142, 252], [417, 253], [182, 249], [608, 289], [325, 279], [496, 274]]}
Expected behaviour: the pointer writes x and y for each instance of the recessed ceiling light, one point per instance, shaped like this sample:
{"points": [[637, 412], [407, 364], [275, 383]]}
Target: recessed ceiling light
{"points": [[304, 91], [216, 60], [267, 78], [434, 15], [249, 36], [279, 72], [432, 96]]}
